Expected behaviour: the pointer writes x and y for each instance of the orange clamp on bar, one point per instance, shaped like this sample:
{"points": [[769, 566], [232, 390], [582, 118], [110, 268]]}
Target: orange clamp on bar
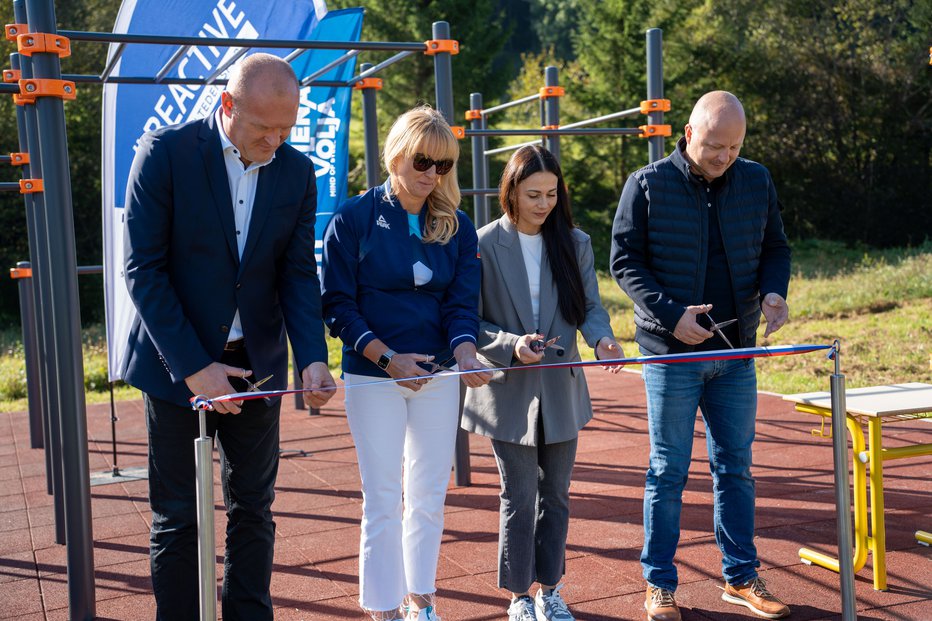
{"points": [[12, 75], [649, 131], [549, 127], [31, 186], [30, 89], [36, 42], [20, 272], [14, 30], [459, 132], [19, 159], [365, 83], [551, 91], [473, 115], [655, 105], [437, 46]]}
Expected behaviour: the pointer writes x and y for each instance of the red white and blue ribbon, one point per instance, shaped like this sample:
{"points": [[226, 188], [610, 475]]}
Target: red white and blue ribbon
{"points": [[201, 402]]}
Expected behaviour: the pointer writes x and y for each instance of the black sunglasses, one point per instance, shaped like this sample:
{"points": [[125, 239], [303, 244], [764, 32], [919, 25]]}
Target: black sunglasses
{"points": [[422, 163]]}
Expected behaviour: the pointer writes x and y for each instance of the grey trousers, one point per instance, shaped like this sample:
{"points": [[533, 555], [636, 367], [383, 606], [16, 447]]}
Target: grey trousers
{"points": [[534, 512]]}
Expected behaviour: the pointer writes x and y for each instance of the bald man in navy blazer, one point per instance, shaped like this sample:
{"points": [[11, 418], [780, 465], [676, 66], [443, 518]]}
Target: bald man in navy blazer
{"points": [[219, 261]]}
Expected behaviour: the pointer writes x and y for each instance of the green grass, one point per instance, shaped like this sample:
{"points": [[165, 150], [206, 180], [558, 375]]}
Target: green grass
{"points": [[878, 303]]}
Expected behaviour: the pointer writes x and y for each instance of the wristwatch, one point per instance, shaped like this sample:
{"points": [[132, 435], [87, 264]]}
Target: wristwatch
{"points": [[385, 359]]}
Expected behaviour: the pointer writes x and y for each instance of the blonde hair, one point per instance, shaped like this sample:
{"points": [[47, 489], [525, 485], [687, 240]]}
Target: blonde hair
{"points": [[424, 130]]}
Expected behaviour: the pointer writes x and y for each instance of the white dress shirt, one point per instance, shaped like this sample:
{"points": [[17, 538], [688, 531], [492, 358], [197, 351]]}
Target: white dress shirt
{"points": [[243, 181]]}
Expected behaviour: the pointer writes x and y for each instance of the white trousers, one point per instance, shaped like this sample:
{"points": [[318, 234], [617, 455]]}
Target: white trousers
{"points": [[404, 441]]}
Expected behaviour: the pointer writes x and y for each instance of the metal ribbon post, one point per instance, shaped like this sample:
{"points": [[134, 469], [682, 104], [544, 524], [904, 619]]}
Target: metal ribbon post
{"points": [[842, 497], [206, 546]]}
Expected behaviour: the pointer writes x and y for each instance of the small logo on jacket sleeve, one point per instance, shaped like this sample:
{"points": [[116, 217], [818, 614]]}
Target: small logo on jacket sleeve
{"points": [[382, 222]]}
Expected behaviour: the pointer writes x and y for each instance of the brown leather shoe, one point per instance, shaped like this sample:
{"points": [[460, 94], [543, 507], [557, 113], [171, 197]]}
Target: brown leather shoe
{"points": [[755, 596], [661, 605]]}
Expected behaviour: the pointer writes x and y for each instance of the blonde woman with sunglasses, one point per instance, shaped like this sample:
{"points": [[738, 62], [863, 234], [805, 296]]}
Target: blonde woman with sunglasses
{"points": [[400, 288]]}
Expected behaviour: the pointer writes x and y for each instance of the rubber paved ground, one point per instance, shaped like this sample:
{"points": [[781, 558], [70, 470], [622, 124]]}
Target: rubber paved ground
{"points": [[318, 509]]}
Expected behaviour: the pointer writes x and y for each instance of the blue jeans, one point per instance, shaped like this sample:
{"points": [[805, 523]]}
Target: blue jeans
{"points": [[726, 393]]}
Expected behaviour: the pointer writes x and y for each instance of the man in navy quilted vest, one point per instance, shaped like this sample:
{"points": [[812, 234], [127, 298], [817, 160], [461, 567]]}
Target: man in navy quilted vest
{"points": [[698, 235]]}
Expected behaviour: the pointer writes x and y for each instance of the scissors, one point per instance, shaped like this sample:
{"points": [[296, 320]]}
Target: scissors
{"points": [[717, 329], [254, 387], [541, 345]]}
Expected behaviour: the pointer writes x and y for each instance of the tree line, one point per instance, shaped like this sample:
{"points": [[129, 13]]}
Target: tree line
{"points": [[838, 96]]}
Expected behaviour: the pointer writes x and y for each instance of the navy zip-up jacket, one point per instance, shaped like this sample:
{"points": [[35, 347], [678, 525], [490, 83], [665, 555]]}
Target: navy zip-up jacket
{"points": [[368, 290], [660, 240]]}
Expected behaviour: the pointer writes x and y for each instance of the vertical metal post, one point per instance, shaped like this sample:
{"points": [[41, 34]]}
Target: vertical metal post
{"points": [[480, 177], [443, 73], [64, 307], [42, 287], [206, 546], [28, 305], [370, 128], [443, 89], [551, 110], [27, 314], [842, 498], [655, 88]]}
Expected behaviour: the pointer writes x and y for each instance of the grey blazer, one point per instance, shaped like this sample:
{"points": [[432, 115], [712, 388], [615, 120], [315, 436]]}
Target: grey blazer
{"points": [[508, 407]]}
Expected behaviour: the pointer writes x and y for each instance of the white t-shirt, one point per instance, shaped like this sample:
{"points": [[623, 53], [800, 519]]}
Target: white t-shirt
{"points": [[532, 247]]}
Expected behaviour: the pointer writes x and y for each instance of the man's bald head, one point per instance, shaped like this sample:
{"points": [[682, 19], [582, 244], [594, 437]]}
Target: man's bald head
{"points": [[716, 107], [715, 134], [259, 106], [262, 73]]}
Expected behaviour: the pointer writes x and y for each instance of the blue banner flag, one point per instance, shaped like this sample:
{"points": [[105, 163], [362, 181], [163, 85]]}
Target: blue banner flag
{"points": [[129, 110]]}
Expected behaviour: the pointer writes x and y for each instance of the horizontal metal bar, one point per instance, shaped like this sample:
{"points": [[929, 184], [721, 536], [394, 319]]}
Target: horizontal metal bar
{"points": [[9, 88], [901, 452], [512, 147], [607, 131], [95, 79], [5, 159], [510, 104], [114, 37], [9, 186], [90, 269], [606, 117], [323, 70], [480, 192], [382, 65]]}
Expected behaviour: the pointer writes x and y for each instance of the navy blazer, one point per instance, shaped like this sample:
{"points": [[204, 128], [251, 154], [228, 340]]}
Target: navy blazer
{"points": [[183, 270]]}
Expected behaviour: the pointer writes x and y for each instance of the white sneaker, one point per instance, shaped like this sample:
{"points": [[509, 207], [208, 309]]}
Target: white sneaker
{"points": [[551, 607], [522, 609]]}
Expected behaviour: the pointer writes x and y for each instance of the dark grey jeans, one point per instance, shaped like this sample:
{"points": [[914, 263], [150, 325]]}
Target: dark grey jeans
{"points": [[534, 512]]}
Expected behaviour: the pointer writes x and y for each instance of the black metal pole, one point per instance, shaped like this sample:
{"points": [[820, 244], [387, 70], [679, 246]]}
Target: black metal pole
{"points": [[443, 89], [370, 127], [479, 179], [655, 88], [42, 287], [27, 314], [65, 308], [113, 420], [551, 109]]}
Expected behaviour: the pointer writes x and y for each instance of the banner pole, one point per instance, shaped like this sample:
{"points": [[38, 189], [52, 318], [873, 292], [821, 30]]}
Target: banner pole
{"points": [[206, 546], [842, 499]]}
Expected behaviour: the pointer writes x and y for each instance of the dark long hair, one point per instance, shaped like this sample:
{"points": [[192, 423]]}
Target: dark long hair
{"points": [[557, 229]]}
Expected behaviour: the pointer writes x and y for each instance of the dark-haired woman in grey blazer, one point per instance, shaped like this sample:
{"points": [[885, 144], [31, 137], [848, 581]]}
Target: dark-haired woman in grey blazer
{"points": [[538, 283]]}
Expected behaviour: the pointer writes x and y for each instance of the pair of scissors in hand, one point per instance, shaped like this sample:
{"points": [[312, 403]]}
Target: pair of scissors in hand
{"points": [[540, 345], [254, 386], [717, 329]]}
